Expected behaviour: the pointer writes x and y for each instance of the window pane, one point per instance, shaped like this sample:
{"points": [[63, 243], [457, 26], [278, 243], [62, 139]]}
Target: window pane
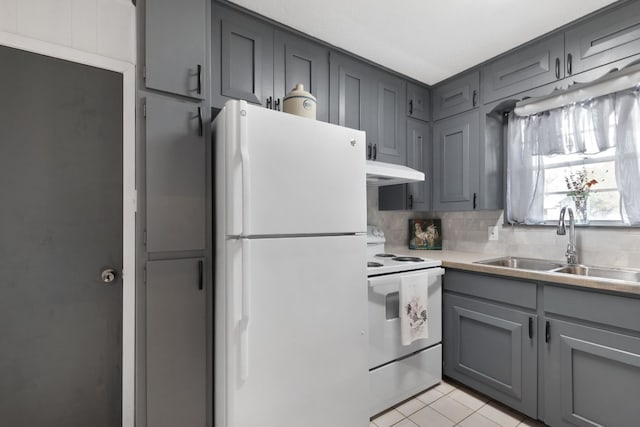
{"points": [[604, 206]]}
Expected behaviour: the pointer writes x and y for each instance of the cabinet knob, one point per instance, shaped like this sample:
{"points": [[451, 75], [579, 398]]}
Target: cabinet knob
{"points": [[557, 68], [269, 102], [199, 89], [569, 63], [411, 107], [108, 275], [369, 147], [375, 151], [410, 201], [474, 99]]}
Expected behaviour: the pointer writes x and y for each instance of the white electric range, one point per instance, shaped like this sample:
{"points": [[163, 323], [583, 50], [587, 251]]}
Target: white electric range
{"points": [[398, 372]]}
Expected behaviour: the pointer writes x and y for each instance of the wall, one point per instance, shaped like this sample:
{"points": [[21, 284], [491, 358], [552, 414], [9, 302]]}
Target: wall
{"points": [[468, 231], [103, 27]]}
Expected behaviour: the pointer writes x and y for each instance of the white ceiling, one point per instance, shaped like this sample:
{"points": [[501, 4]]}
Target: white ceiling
{"points": [[428, 40]]}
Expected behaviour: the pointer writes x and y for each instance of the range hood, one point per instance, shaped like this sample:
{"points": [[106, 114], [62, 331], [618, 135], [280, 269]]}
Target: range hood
{"points": [[380, 173]]}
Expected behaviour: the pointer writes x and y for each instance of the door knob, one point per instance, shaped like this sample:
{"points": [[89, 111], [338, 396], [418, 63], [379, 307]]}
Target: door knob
{"points": [[108, 275]]}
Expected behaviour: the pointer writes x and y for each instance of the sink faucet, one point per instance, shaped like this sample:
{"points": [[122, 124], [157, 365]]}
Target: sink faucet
{"points": [[571, 254]]}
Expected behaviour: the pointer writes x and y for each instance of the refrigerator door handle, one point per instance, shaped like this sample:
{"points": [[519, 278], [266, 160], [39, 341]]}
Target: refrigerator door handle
{"points": [[246, 183], [246, 309]]}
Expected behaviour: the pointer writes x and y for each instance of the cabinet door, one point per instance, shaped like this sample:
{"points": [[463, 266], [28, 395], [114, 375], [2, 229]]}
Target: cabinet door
{"points": [[175, 36], [176, 176], [176, 344], [604, 39], [456, 96], [419, 157], [418, 102], [243, 50], [592, 376], [352, 96], [301, 61], [525, 69], [455, 163], [415, 196], [492, 349], [390, 143]]}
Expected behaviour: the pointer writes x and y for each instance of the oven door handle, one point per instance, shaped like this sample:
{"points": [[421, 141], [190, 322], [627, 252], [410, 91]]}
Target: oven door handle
{"points": [[390, 283]]}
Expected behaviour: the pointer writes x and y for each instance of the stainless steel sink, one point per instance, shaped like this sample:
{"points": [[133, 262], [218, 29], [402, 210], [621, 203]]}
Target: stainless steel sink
{"points": [[606, 273], [522, 263]]}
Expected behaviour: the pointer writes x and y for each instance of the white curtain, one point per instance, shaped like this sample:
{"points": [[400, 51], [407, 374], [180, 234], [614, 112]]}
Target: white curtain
{"points": [[588, 127], [628, 155]]}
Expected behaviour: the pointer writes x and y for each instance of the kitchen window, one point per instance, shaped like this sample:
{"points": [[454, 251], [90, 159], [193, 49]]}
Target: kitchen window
{"points": [[585, 155]]}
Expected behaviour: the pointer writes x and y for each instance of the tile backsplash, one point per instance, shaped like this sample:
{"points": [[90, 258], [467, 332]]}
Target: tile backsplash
{"points": [[468, 231]]}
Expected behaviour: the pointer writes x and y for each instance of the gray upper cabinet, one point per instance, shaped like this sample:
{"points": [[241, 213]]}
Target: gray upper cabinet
{"points": [[418, 102], [524, 69], [352, 90], [176, 344], [390, 142], [415, 196], [605, 38], [456, 96], [242, 48], [455, 162], [175, 40], [301, 61], [175, 175]]}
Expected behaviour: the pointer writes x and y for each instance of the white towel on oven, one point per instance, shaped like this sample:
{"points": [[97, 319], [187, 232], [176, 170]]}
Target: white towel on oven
{"points": [[414, 300]]}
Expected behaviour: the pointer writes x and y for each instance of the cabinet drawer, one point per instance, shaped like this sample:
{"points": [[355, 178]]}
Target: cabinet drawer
{"points": [[525, 69], [614, 310], [456, 96], [510, 291], [392, 383], [606, 38]]}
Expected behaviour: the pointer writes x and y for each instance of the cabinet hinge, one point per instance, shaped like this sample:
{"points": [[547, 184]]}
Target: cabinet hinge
{"points": [[144, 71], [144, 237], [144, 109], [144, 274]]}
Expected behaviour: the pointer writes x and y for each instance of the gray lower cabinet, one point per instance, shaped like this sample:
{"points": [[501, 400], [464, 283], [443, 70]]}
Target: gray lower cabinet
{"points": [[456, 96], [298, 60], [415, 196], [176, 344], [606, 38], [352, 96], [175, 175], [455, 162], [390, 141], [175, 52], [527, 68], [490, 337], [242, 51], [418, 102], [592, 376]]}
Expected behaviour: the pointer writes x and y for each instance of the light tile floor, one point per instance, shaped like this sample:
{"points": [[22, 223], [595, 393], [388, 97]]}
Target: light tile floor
{"points": [[451, 404]]}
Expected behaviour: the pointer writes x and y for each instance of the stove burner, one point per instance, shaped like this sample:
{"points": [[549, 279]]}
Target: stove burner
{"points": [[373, 264], [385, 255], [407, 258]]}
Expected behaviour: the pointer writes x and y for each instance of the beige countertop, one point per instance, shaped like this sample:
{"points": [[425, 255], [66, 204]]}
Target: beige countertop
{"points": [[465, 261]]}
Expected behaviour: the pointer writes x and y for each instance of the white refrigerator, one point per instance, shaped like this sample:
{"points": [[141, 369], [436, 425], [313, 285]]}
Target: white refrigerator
{"points": [[290, 274]]}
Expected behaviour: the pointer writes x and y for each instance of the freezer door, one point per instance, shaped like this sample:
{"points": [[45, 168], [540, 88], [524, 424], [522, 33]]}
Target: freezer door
{"points": [[295, 340], [288, 175]]}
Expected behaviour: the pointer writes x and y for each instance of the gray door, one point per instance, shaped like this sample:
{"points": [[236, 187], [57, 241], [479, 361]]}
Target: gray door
{"points": [[592, 376], [176, 177], [455, 164], [176, 344], [243, 57], [175, 36], [418, 102], [456, 96], [492, 349], [533, 66], [300, 61], [604, 39], [60, 226], [352, 94], [391, 140]]}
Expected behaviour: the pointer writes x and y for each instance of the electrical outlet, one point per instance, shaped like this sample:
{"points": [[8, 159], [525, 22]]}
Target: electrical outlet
{"points": [[493, 232]]}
